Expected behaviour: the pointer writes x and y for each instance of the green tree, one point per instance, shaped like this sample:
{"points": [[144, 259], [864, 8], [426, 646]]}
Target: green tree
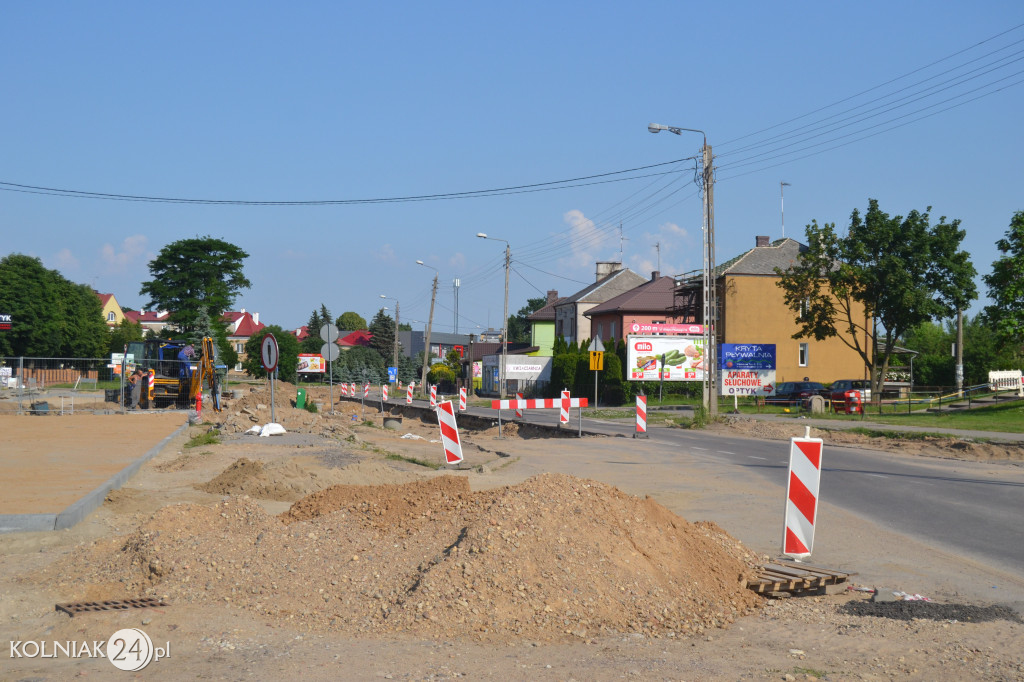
{"points": [[123, 333], [454, 362], [50, 315], [382, 329], [360, 364], [885, 276], [287, 346], [518, 325], [192, 274], [1006, 286], [350, 321], [84, 334]]}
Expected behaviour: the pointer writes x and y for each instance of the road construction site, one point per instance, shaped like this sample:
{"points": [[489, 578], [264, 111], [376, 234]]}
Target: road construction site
{"points": [[344, 549]]}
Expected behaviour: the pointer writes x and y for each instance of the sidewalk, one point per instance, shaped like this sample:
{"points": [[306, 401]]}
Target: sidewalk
{"points": [[868, 424]]}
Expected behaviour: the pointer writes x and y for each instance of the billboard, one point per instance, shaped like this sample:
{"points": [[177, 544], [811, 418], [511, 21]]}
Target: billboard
{"points": [[683, 358], [749, 382], [311, 363], [747, 356]]}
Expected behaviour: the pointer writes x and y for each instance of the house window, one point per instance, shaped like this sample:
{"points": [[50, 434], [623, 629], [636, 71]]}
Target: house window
{"points": [[239, 347], [612, 335], [600, 330], [111, 317], [803, 355], [805, 308]]}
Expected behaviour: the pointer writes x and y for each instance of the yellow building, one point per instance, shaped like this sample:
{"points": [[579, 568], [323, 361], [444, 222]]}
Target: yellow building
{"points": [[752, 309], [112, 313]]}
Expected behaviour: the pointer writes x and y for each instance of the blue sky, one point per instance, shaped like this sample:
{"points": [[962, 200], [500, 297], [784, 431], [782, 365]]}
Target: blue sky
{"points": [[340, 101]]}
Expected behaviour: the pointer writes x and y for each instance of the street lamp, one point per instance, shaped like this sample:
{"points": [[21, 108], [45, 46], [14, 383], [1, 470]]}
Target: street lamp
{"points": [[504, 326], [710, 295], [395, 360], [430, 322]]}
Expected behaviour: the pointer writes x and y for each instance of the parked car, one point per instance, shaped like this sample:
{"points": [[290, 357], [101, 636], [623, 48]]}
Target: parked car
{"points": [[837, 392], [797, 392]]}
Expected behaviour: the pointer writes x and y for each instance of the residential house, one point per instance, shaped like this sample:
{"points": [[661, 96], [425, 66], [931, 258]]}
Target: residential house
{"points": [[112, 313], [649, 303], [542, 326], [242, 325], [151, 321], [571, 322], [751, 309]]}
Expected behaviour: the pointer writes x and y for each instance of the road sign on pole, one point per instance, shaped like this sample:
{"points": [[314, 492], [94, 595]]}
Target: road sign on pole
{"points": [[269, 353]]}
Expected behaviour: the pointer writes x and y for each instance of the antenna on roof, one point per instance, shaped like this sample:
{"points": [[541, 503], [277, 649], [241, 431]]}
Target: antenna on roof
{"points": [[657, 246], [621, 239]]}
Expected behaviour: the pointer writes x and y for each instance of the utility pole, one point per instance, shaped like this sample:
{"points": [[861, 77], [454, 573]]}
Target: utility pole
{"points": [[504, 333], [959, 353], [710, 288], [396, 339], [456, 286], [426, 349]]}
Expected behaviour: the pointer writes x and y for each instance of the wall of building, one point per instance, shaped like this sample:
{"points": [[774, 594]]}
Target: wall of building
{"points": [[754, 312], [542, 335]]}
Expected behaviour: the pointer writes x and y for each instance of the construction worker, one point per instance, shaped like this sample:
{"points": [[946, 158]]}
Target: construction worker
{"points": [[136, 381]]}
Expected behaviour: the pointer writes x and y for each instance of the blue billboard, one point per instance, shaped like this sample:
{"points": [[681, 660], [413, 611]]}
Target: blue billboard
{"points": [[746, 356]]}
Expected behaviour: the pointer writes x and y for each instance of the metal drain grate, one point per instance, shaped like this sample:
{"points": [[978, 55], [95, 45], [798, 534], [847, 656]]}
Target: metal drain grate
{"points": [[113, 605]]}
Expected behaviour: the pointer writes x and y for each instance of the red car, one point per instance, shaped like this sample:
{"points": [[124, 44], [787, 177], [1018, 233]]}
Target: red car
{"points": [[837, 392]]}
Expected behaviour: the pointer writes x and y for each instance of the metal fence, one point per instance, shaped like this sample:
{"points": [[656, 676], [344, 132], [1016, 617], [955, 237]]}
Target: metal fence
{"points": [[45, 385]]}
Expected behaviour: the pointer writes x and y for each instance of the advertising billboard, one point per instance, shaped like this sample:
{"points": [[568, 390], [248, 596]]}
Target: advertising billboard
{"points": [[747, 356], [683, 358], [311, 363]]}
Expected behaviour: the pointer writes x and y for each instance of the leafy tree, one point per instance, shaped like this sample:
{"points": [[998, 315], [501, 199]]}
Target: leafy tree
{"points": [[442, 376], [382, 327], [360, 364], [314, 324], [404, 327], [287, 346], [350, 321], [192, 274], [205, 326], [84, 334], [454, 362], [30, 295], [122, 334], [612, 392], [1006, 286], [885, 276], [51, 316], [518, 325]]}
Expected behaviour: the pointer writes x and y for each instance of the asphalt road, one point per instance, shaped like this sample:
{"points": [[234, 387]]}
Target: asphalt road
{"points": [[969, 508]]}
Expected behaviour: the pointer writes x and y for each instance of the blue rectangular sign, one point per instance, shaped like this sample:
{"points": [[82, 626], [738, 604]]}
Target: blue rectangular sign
{"points": [[746, 356], [392, 375]]}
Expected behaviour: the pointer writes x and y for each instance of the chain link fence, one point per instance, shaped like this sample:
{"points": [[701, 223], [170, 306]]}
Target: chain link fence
{"points": [[45, 385]]}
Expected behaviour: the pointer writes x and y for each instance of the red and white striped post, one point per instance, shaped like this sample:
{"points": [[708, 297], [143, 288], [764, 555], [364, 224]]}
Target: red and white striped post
{"points": [[449, 433], [352, 390], [408, 393], [519, 411], [433, 397], [383, 391], [802, 496], [564, 404], [366, 389], [344, 389], [462, 399], [641, 416]]}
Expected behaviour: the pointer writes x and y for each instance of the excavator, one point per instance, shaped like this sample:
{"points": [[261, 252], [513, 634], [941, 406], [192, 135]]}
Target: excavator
{"points": [[167, 367]]}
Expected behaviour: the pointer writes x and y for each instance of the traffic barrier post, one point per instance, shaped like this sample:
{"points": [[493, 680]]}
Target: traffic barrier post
{"points": [[449, 433], [802, 496]]}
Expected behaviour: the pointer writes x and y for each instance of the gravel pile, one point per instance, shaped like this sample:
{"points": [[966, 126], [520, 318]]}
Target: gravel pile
{"points": [[553, 558]]}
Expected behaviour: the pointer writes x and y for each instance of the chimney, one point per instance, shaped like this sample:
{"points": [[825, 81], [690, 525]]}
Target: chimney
{"points": [[256, 319], [605, 268], [762, 241], [655, 275], [552, 296]]}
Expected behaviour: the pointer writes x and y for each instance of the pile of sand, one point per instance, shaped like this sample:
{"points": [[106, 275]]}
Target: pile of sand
{"points": [[554, 557]]}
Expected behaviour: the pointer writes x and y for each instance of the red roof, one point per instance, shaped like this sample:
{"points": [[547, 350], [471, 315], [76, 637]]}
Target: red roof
{"points": [[247, 326], [143, 316], [302, 332], [104, 298], [356, 338]]}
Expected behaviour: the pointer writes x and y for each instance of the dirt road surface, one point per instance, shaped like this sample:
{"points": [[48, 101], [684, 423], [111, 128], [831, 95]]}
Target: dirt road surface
{"points": [[330, 553]]}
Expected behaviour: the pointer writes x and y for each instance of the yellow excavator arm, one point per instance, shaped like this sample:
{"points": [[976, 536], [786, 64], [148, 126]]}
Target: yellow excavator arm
{"points": [[206, 374]]}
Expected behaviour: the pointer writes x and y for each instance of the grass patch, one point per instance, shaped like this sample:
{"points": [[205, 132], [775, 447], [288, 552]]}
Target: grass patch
{"points": [[820, 674], [412, 460], [207, 438], [311, 406]]}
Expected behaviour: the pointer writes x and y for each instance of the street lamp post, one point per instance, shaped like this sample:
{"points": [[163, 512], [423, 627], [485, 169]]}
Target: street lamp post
{"points": [[710, 392], [504, 326], [395, 359], [430, 323]]}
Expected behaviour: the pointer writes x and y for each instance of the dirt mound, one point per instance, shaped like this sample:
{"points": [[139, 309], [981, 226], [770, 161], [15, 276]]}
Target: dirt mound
{"points": [[552, 558], [283, 481]]}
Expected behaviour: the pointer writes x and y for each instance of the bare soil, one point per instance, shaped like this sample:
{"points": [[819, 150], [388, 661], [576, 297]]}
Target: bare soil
{"points": [[327, 552]]}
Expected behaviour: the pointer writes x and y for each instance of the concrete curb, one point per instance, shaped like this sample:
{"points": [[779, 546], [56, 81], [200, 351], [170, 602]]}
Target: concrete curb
{"points": [[24, 523]]}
